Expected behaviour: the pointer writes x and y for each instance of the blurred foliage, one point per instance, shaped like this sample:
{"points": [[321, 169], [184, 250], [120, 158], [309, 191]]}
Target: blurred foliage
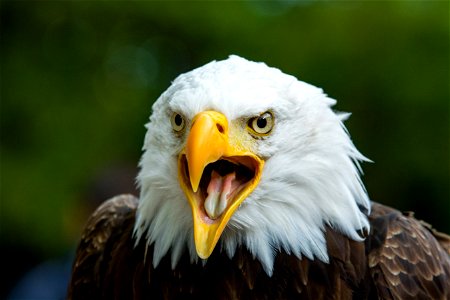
{"points": [[78, 80]]}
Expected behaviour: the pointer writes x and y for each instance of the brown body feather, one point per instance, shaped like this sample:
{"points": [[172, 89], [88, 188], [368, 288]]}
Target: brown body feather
{"points": [[401, 259]]}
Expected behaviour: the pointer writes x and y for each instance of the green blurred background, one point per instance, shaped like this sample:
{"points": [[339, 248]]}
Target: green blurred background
{"points": [[78, 80]]}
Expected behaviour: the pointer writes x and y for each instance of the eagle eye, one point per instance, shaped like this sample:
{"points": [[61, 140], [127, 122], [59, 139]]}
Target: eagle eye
{"points": [[262, 124], [178, 122]]}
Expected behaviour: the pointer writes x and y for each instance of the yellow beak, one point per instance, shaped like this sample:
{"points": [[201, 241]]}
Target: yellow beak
{"points": [[209, 142]]}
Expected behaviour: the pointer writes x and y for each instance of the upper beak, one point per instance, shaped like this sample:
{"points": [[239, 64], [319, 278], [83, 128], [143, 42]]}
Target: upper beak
{"points": [[207, 143]]}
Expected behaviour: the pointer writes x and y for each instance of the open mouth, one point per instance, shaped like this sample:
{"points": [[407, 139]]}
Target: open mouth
{"points": [[216, 175], [222, 182]]}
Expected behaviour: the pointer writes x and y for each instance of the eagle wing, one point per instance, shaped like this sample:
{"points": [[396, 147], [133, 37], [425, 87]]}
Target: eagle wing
{"points": [[114, 217], [407, 258]]}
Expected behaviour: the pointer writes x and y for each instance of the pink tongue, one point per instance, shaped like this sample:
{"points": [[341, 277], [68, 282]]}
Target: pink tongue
{"points": [[219, 184], [219, 189]]}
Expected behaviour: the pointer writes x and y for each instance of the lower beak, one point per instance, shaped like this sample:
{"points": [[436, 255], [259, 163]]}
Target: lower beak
{"points": [[215, 176]]}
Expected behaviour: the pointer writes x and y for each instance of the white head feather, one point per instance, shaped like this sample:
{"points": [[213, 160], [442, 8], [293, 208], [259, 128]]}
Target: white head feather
{"points": [[310, 178]]}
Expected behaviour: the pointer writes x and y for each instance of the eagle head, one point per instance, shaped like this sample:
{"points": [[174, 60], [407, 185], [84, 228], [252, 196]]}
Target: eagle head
{"points": [[240, 154]]}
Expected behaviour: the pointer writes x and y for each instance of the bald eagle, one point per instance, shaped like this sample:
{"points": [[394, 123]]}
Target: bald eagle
{"points": [[250, 188]]}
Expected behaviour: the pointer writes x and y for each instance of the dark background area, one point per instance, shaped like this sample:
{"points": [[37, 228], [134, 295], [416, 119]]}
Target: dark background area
{"points": [[78, 80]]}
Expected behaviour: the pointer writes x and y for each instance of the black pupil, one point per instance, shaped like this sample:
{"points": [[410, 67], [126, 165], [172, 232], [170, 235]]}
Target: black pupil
{"points": [[261, 122], [178, 120]]}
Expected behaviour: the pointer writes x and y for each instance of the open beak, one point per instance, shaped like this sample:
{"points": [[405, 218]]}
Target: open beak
{"points": [[216, 177]]}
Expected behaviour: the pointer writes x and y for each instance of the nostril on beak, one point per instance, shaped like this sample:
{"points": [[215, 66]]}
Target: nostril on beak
{"points": [[220, 128]]}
